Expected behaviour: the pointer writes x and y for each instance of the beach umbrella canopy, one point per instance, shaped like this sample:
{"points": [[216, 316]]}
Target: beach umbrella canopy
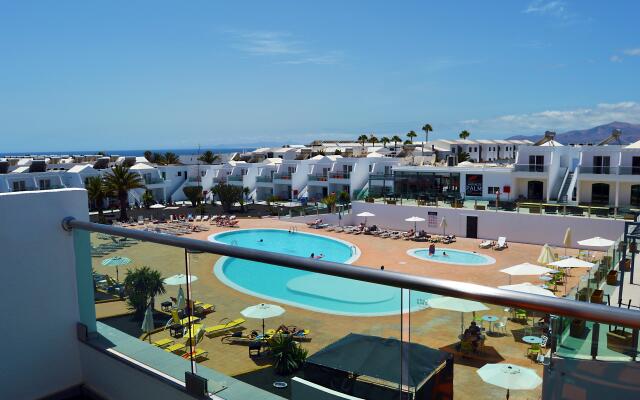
{"points": [[510, 377], [262, 311], [116, 262], [157, 206], [596, 242], [528, 288], [415, 221], [572, 262], [454, 304], [526, 269], [546, 255], [181, 302], [180, 279], [366, 214], [147, 322]]}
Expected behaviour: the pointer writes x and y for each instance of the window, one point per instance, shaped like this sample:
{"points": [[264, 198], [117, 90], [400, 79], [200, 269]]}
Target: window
{"points": [[635, 195], [601, 164], [203, 173], [387, 169], [635, 166], [536, 163], [370, 168], [19, 186], [179, 173], [493, 189], [45, 184]]}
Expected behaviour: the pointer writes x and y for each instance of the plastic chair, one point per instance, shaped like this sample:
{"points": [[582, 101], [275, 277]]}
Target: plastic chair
{"points": [[501, 325]]}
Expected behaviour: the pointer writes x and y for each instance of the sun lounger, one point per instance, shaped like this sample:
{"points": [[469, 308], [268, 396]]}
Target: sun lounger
{"points": [[203, 308], [162, 343], [222, 328], [176, 348], [205, 218], [486, 244], [502, 243], [198, 218], [175, 319]]}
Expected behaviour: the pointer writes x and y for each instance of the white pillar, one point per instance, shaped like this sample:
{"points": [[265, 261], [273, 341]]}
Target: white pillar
{"points": [[617, 195]]}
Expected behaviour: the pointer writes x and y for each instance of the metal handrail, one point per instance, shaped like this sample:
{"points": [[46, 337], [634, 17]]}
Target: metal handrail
{"points": [[564, 307]]}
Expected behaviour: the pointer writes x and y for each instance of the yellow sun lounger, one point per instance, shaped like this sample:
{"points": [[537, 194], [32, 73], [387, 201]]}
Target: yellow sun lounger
{"points": [[220, 328], [174, 348], [203, 307], [162, 342]]}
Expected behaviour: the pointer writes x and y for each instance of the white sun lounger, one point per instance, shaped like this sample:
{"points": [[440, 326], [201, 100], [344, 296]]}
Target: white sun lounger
{"points": [[485, 245], [502, 243]]}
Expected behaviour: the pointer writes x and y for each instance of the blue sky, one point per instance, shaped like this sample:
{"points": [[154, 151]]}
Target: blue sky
{"points": [[159, 74]]}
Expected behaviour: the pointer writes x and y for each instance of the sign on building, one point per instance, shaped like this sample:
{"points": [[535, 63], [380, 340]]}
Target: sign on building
{"points": [[474, 185]]}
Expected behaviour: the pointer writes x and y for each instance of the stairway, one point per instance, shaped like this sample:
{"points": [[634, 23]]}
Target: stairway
{"points": [[562, 194]]}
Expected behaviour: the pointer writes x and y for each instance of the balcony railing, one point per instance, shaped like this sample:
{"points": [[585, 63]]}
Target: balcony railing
{"points": [[339, 175], [531, 168], [568, 330], [629, 170], [264, 179], [153, 181], [317, 178], [599, 170], [234, 178], [380, 177], [282, 176]]}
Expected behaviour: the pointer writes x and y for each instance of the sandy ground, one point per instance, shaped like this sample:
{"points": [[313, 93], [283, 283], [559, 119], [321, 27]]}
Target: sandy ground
{"points": [[434, 328]]}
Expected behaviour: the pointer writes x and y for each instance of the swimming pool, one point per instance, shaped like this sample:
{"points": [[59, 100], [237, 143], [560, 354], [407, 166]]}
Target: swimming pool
{"points": [[309, 290], [458, 257]]}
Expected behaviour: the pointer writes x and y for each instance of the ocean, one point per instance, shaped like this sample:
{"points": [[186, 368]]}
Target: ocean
{"points": [[224, 150]]}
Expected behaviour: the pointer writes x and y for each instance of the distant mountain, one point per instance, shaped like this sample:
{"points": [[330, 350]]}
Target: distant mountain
{"points": [[630, 134]]}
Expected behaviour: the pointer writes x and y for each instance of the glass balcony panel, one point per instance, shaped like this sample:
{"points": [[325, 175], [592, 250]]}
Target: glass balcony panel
{"points": [[137, 290]]}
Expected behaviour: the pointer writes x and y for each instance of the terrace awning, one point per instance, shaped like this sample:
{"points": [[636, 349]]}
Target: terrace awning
{"points": [[373, 356]]}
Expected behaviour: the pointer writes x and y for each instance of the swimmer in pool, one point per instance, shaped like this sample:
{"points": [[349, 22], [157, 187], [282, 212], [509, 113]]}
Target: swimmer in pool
{"points": [[319, 256], [261, 240], [444, 254], [313, 255]]}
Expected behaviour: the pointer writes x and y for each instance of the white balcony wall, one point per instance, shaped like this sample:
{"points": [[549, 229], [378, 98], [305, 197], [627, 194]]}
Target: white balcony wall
{"points": [[39, 292]]}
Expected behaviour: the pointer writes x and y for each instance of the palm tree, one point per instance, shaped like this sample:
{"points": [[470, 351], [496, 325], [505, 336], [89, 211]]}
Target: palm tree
{"points": [[142, 285], [208, 157], [97, 192], [373, 139], [426, 128], [118, 182], [171, 158], [362, 139], [384, 140], [411, 135], [395, 139], [158, 158], [464, 134]]}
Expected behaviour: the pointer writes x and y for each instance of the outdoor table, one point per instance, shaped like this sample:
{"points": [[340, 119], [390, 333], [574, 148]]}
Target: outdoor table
{"points": [[490, 319], [532, 339]]}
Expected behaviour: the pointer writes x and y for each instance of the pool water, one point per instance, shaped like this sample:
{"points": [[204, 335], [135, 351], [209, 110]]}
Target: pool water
{"points": [[309, 290], [458, 257]]}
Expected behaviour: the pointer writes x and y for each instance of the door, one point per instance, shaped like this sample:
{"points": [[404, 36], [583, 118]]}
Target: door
{"points": [[535, 190], [472, 227], [325, 192], [635, 166]]}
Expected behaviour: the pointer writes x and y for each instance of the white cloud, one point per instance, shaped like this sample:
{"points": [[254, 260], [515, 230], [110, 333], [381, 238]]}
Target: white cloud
{"points": [[281, 45], [632, 52], [558, 120], [615, 58], [540, 7]]}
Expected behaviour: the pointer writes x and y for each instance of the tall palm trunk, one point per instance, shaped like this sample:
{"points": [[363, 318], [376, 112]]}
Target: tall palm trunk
{"points": [[123, 197]]}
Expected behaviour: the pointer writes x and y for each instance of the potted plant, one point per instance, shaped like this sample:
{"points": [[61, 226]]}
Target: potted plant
{"points": [[288, 355], [597, 296], [577, 328], [612, 277], [627, 264]]}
